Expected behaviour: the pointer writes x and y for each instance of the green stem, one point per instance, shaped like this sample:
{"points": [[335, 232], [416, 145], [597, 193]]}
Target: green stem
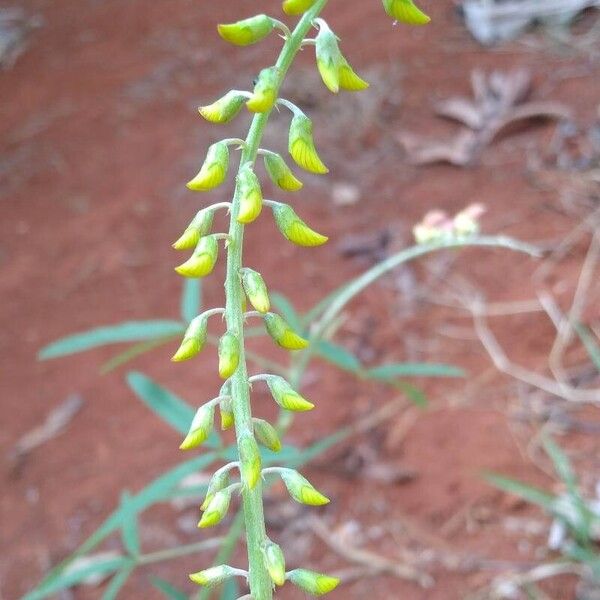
{"points": [[252, 503]]}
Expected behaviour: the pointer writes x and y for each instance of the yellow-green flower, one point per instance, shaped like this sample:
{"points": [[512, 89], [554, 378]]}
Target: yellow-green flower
{"points": [[256, 290], [286, 396], [219, 481], [200, 428], [250, 463], [275, 562], [201, 225], [405, 11], [224, 109], [203, 260], [265, 91], [266, 434], [247, 31], [214, 170], [229, 355], [301, 145], [282, 334], [194, 339], [301, 490], [294, 229], [226, 413], [213, 576], [250, 195], [296, 7], [216, 510], [281, 175], [311, 582]]}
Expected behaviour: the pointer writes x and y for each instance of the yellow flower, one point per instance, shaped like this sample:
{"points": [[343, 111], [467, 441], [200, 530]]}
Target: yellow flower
{"points": [[203, 260], [250, 195], [265, 91], [282, 334], [200, 428], [248, 31], [250, 464], [405, 11], [213, 576], [193, 339], [296, 7], [216, 510], [229, 355], [294, 229], [301, 489], [280, 174], [266, 434], [224, 109], [201, 225], [286, 396], [301, 145], [275, 562], [256, 290], [219, 481], [214, 170], [226, 412], [313, 583]]}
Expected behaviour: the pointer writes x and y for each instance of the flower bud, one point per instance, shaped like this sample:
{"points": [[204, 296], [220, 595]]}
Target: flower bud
{"points": [[200, 428], [256, 290], [216, 510], [265, 91], [294, 229], [250, 463], [219, 481], [229, 355], [214, 170], [203, 260], [275, 562], [194, 339], [224, 109], [405, 11], [248, 31], [311, 582], [250, 195], [296, 7], [466, 222], [213, 576], [266, 434], [280, 174], [201, 225], [282, 334], [301, 490], [226, 412], [302, 146], [286, 396]]}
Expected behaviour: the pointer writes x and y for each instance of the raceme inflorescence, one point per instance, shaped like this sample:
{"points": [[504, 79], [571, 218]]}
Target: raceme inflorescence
{"points": [[266, 568]]}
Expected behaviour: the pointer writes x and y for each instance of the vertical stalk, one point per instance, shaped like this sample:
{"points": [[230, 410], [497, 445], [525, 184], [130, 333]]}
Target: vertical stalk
{"points": [[260, 583]]}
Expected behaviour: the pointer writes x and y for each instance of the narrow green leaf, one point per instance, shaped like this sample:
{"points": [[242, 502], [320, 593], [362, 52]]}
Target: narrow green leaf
{"points": [[523, 490], [561, 464], [590, 343], [338, 356], [130, 527], [286, 310], [191, 298], [133, 352], [131, 331], [394, 370], [116, 583], [167, 589], [415, 395]]}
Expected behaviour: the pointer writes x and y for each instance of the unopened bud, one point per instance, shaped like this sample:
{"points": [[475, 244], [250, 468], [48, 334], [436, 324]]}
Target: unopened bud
{"points": [[301, 490], [200, 226], [275, 562], [219, 481], [281, 175], [203, 260], [250, 195], [256, 290], [266, 434], [301, 145], [229, 355], [226, 412], [294, 229], [200, 428], [282, 334], [405, 11], [194, 339], [214, 575], [248, 31], [296, 7], [286, 396], [216, 510], [250, 463], [265, 91], [466, 222], [311, 582], [214, 170], [224, 109]]}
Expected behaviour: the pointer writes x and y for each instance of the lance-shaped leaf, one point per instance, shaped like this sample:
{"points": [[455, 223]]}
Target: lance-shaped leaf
{"points": [[296, 7], [405, 11], [301, 145], [216, 509], [250, 195], [214, 169], [294, 229], [203, 260], [265, 91], [282, 334], [200, 429], [194, 339], [266, 434], [256, 290], [275, 562], [214, 575], [316, 584], [218, 482], [286, 396], [250, 463], [247, 31], [281, 175], [224, 109], [229, 355], [200, 226], [301, 489]]}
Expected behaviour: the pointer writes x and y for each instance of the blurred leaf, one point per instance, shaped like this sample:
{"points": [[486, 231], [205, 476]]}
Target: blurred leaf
{"points": [[322, 305], [590, 343], [414, 394], [191, 298], [523, 490], [338, 356], [116, 583], [130, 331], [286, 310], [133, 352], [231, 590], [561, 464], [167, 589], [130, 529], [394, 370]]}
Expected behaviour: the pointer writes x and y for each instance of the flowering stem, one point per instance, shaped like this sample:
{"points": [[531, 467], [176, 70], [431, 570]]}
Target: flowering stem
{"points": [[252, 502]]}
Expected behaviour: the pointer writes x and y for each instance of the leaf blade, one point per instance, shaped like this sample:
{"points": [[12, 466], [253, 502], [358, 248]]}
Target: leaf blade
{"points": [[394, 370]]}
